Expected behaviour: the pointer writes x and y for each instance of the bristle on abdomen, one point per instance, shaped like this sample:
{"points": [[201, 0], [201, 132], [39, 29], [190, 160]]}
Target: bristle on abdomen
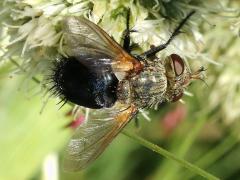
{"points": [[73, 81]]}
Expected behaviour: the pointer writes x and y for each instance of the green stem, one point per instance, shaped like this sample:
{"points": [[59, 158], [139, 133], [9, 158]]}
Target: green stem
{"points": [[169, 155], [168, 170], [212, 156]]}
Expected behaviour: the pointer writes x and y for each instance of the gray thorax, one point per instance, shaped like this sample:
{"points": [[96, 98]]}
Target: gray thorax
{"points": [[146, 88]]}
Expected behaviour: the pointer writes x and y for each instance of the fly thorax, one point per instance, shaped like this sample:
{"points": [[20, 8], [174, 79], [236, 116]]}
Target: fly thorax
{"points": [[124, 92], [149, 86]]}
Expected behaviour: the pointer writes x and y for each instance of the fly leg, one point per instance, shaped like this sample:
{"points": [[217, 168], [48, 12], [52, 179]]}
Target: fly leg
{"points": [[151, 52], [126, 34]]}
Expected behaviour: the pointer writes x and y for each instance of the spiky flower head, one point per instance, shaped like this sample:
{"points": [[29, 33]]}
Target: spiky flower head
{"points": [[31, 34]]}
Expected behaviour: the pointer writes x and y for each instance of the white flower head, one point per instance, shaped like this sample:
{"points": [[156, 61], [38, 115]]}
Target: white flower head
{"points": [[31, 32]]}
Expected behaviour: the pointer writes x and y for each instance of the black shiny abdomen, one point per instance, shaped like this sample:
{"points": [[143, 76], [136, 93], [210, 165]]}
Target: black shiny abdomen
{"points": [[86, 86]]}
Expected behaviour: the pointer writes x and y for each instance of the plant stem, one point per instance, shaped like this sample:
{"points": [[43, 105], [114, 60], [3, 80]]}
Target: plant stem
{"points": [[213, 155], [169, 155], [168, 170]]}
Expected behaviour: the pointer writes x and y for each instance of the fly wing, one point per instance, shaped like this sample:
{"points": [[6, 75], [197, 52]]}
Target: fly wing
{"points": [[92, 137], [87, 41]]}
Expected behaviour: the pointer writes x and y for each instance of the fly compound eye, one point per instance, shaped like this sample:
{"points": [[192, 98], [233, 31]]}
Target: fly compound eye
{"points": [[178, 64]]}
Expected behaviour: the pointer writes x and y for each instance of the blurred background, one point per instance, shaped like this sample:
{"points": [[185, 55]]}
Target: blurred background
{"points": [[204, 129]]}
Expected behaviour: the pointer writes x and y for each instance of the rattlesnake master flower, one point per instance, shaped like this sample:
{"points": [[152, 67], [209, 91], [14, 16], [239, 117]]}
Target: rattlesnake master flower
{"points": [[31, 33], [31, 30], [225, 94], [34, 26]]}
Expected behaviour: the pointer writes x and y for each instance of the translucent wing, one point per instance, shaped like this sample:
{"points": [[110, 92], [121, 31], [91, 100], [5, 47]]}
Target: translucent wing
{"points": [[91, 138], [87, 41], [94, 49]]}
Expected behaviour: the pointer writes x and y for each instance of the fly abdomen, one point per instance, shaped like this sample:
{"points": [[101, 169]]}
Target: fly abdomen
{"points": [[80, 84]]}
